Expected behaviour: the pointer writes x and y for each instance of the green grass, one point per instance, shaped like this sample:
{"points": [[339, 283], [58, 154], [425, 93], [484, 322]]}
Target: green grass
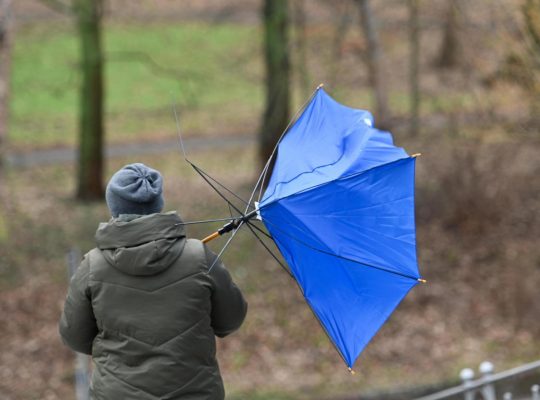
{"points": [[212, 71]]}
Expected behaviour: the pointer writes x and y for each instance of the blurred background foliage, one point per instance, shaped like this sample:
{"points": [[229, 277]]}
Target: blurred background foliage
{"points": [[477, 124]]}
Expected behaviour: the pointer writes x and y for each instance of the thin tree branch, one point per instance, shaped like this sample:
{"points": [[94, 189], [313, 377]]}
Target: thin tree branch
{"points": [[58, 6], [152, 64]]}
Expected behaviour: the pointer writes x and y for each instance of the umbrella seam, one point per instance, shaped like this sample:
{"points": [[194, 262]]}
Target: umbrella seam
{"points": [[333, 180], [340, 257]]}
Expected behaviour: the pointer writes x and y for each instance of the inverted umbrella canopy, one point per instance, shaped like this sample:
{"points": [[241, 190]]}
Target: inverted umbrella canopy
{"points": [[340, 207]]}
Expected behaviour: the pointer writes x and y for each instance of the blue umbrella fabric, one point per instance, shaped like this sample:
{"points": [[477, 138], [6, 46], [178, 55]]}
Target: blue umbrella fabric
{"points": [[340, 207]]}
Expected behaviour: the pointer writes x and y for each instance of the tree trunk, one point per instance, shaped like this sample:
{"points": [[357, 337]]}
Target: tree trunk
{"points": [[91, 129], [342, 28], [414, 43], [531, 14], [5, 64], [374, 63], [276, 114], [449, 53], [302, 71]]}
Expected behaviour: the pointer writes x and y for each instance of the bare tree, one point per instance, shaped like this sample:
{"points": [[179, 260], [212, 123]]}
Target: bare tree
{"points": [[300, 29], [88, 16], [449, 53], [91, 129], [276, 51], [414, 62], [5, 63], [344, 19], [374, 63]]}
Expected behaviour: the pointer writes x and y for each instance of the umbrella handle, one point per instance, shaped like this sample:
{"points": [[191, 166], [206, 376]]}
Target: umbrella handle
{"points": [[235, 223], [211, 237], [226, 228]]}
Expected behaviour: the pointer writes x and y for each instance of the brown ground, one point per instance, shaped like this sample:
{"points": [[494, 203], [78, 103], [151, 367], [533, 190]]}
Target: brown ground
{"points": [[478, 228]]}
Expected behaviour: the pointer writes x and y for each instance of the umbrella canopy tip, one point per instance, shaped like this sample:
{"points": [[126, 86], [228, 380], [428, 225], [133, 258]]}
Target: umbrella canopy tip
{"points": [[416, 155], [320, 86], [352, 371], [421, 280]]}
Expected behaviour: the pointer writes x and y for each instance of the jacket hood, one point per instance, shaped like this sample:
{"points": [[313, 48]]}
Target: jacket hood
{"points": [[142, 246]]}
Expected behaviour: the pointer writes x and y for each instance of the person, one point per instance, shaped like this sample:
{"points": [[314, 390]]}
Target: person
{"points": [[144, 303]]}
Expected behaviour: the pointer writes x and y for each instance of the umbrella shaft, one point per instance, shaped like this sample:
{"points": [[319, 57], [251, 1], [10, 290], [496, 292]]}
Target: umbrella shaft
{"points": [[230, 226]]}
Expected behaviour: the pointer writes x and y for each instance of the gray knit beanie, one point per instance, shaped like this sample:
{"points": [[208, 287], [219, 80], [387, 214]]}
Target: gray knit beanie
{"points": [[135, 189]]}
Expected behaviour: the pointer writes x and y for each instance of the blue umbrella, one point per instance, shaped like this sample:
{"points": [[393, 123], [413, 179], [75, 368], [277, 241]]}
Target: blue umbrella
{"points": [[339, 205], [341, 211]]}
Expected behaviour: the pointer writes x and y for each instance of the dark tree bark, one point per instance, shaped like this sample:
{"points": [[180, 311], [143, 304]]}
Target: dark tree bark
{"points": [[88, 15], [374, 64], [300, 28], [5, 66], [276, 114], [343, 24], [414, 61], [449, 53], [91, 129]]}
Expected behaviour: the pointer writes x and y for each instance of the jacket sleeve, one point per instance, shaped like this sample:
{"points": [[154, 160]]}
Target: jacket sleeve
{"points": [[77, 324], [228, 305]]}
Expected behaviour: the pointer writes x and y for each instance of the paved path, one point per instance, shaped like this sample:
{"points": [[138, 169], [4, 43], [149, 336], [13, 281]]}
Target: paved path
{"points": [[66, 155]]}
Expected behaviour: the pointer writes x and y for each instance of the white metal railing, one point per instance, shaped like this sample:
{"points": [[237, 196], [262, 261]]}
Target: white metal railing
{"points": [[485, 386]]}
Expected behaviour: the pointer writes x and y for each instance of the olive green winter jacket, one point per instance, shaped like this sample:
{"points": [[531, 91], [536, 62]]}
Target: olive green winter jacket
{"points": [[145, 307]]}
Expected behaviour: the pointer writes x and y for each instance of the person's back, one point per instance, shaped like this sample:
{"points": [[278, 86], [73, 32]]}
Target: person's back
{"points": [[145, 306]]}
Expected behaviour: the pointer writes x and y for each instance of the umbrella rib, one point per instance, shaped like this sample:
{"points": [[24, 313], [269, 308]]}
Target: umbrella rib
{"points": [[303, 173], [225, 247], [251, 226], [325, 252], [262, 176], [324, 328], [338, 256], [199, 171], [202, 172], [204, 221], [353, 175], [261, 231], [176, 119]]}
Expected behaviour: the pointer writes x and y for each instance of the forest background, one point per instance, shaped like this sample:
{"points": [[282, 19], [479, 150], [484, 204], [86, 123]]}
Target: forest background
{"points": [[456, 81]]}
